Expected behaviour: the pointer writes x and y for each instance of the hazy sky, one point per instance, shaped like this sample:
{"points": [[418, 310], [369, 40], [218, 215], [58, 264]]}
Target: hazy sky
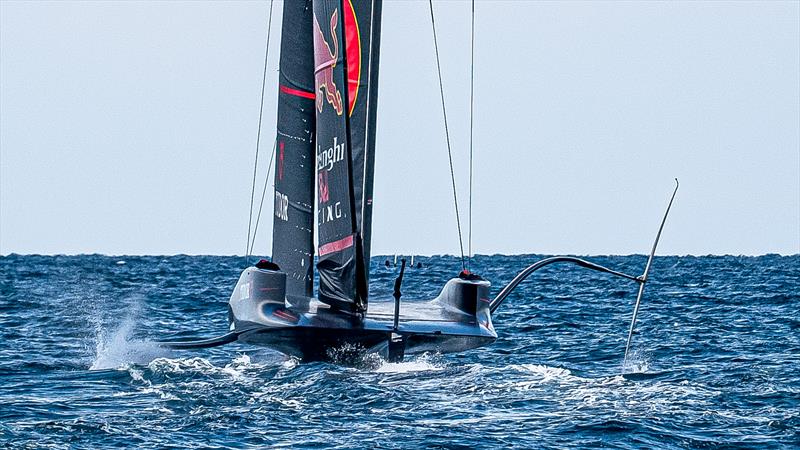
{"points": [[130, 127]]}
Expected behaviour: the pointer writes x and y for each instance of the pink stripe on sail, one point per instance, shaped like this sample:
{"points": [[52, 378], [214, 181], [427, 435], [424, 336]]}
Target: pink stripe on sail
{"points": [[336, 246]]}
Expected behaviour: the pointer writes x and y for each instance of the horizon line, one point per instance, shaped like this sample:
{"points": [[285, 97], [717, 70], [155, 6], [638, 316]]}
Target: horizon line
{"points": [[416, 255]]}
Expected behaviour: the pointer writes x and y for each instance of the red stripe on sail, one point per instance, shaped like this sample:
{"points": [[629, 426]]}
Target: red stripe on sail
{"points": [[336, 246], [297, 92], [280, 163], [352, 36]]}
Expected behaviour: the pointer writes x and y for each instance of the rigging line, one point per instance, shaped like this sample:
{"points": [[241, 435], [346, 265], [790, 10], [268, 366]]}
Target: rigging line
{"points": [[258, 139], [471, 114], [447, 136], [263, 194]]}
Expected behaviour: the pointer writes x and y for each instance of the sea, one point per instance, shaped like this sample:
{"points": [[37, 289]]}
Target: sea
{"points": [[715, 360]]}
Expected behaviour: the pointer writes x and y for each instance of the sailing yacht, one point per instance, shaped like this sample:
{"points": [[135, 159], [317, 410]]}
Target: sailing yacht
{"points": [[324, 164]]}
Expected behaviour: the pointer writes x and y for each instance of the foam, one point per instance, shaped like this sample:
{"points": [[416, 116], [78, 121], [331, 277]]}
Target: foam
{"points": [[118, 349], [423, 363]]}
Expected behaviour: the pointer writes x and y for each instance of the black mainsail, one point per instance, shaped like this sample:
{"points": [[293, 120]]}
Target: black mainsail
{"points": [[293, 224], [345, 73]]}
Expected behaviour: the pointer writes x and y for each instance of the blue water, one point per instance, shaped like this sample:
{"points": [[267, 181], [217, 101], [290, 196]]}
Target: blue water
{"points": [[716, 362]]}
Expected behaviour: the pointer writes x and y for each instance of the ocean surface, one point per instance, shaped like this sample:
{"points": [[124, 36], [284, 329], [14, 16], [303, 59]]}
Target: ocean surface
{"points": [[716, 361]]}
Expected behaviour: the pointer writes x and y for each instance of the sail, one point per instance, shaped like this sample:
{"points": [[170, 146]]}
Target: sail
{"points": [[293, 224], [345, 139], [363, 32]]}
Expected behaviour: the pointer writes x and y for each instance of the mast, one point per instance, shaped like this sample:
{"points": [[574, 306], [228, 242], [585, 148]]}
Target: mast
{"points": [[345, 71], [293, 221]]}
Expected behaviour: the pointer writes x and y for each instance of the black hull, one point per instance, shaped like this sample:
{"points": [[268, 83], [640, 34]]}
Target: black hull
{"points": [[322, 344], [457, 320]]}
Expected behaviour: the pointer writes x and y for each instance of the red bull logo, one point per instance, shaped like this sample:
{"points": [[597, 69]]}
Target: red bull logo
{"points": [[325, 62]]}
